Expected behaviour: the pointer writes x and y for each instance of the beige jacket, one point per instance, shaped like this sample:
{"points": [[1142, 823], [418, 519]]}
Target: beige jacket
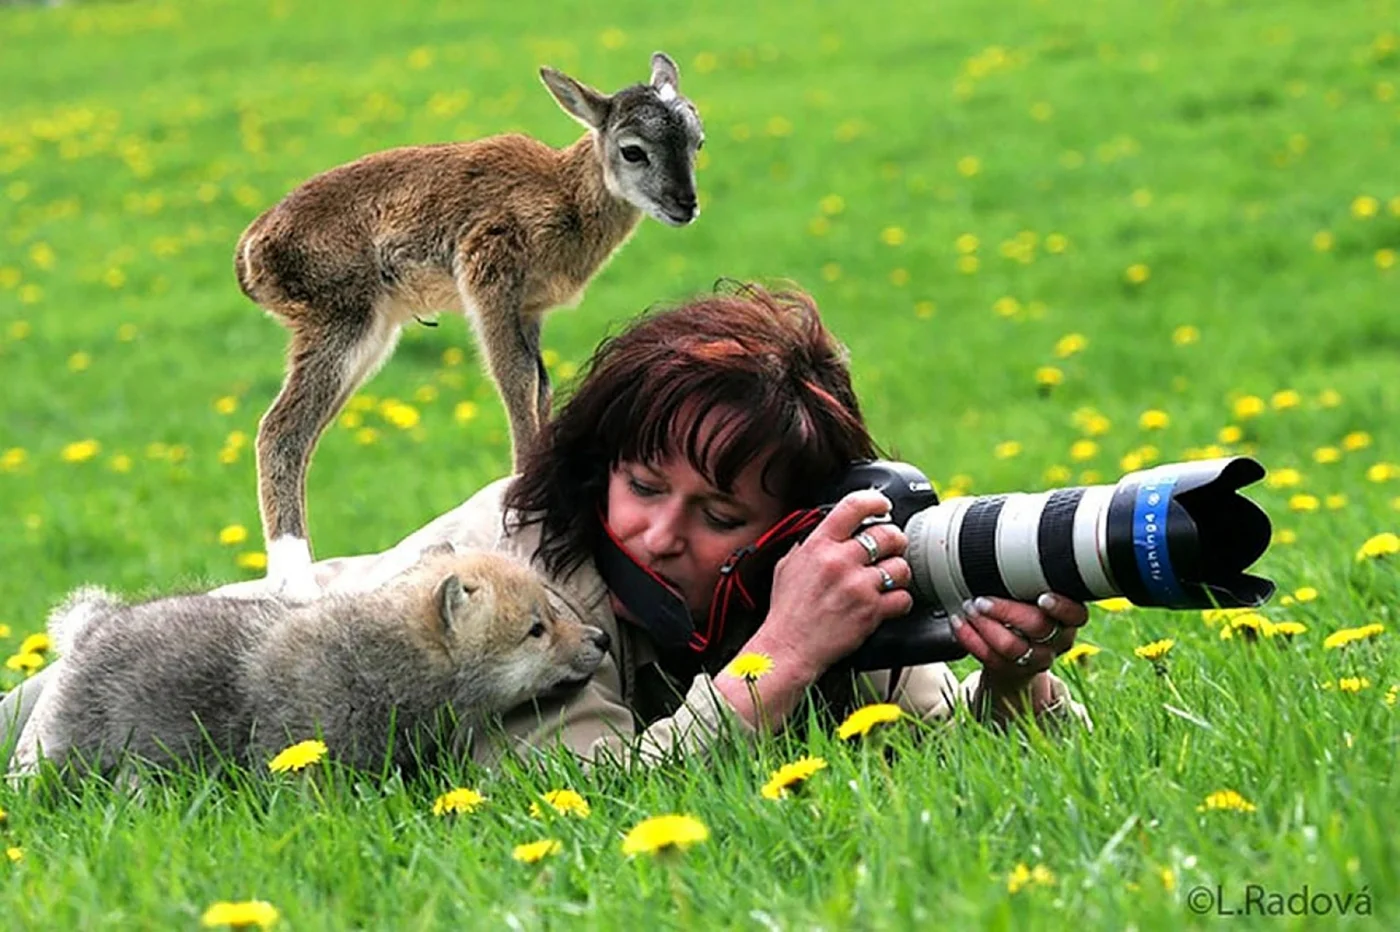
{"points": [[597, 722]]}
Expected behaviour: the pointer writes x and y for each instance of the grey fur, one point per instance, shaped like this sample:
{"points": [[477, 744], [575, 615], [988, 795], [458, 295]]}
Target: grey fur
{"points": [[389, 676]]}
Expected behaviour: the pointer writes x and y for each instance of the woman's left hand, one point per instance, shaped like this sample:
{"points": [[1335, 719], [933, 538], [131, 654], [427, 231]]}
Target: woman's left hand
{"points": [[1017, 642]]}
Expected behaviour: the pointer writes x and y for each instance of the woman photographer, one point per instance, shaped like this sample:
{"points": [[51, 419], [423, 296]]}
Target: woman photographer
{"points": [[691, 433]]}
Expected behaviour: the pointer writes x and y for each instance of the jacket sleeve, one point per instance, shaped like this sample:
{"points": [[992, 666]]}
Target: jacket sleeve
{"points": [[597, 726]]}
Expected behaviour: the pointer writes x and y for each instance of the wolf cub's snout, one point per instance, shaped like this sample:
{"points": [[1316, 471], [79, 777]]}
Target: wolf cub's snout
{"points": [[497, 616]]}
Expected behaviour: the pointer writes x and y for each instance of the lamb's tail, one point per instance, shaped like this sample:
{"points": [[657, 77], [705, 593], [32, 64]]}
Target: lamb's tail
{"points": [[70, 620]]}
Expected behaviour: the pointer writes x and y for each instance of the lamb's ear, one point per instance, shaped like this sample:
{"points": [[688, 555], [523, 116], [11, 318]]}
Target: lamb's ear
{"points": [[664, 72], [452, 599], [590, 107]]}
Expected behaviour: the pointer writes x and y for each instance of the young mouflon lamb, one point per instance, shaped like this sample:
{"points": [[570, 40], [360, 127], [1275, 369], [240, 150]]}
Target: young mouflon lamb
{"points": [[504, 228]]}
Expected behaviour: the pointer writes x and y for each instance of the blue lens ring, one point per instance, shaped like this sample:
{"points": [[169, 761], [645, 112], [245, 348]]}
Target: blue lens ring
{"points": [[1154, 562]]}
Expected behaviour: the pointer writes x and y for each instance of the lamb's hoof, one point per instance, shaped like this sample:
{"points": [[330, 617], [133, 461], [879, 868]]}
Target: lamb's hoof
{"points": [[294, 589]]}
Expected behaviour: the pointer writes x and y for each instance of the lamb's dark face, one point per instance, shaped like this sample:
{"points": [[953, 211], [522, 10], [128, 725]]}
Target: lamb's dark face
{"points": [[647, 137], [650, 142]]}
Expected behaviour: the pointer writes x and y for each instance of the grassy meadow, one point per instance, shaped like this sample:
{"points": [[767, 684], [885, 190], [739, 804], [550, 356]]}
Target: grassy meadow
{"points": [[1062, 241]]}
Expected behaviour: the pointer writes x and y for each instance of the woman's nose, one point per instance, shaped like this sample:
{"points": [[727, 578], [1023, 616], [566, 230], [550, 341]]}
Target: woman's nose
{"points": [[664, 535]]}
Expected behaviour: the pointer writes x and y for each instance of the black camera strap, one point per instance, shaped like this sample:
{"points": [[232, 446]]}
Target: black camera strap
{"points": [[743, 586]]}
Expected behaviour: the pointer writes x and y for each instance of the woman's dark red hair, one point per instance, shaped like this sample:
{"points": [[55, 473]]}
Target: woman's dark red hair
{"points": [[764, 355]]}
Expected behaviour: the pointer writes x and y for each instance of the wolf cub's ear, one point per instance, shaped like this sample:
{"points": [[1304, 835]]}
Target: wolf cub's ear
{"points": [[442, 548], [452, 599]]}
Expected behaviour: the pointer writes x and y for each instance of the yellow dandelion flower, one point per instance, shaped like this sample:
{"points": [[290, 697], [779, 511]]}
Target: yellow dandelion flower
{"points": [[1382, 472], [13, 458], [1248, 406], [1356, 440], [25, 662], [534, 851], [1082, 450], [892, 236], [966, 244], [1381, 545], [925, 309], [1286, 629], [1079, 653], [664, 833], [1303, 502], [1048, 376], [750, 666], [79, 362], [1058, 474], [14, 854], [402, 416], [4, 816], [251, 560], [1153, 419], [1069, 344], [226, 405], [1156, 650], [862, 720], [1353, 684], [1229, 434], [241, 915], [1007, 449], [1351, 635], [832, 204], [464, 412], [1185, 335], [1365, 207], [453, 356], [969, 166], [1327, 455], [1227, 800], [36, 644], [1335, 501], [968, 265], [1385, 258], [1137, 273], [1305, 593], [233, 534], [1392, 695], [1323, 240], [121, 463], [791, 776], [1286, 399], [1116, 604], [1006, 306], [366, 436], [80, 452], [298, 757], [1285, 478], [461, 801], [564, 802], [1214, 616], [1022, 876]]}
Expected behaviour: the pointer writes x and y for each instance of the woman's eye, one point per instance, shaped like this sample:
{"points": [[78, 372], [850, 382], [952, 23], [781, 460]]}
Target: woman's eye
{"points": [[642, 490], [634, 154], [723, 524], [537, 630]]}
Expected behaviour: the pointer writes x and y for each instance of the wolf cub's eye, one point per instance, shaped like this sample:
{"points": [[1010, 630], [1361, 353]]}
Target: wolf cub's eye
{"points": [[634, 154], [537, 630]]}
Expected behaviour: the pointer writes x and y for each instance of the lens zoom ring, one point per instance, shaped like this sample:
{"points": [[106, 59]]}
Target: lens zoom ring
{"points": [[977, 548], [1055, 540]]}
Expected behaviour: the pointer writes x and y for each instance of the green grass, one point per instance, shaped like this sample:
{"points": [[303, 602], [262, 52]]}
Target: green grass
{"points": [[1210, 142]]}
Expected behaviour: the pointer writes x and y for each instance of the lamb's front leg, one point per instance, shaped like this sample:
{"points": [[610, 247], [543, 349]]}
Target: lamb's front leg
{"points": [[493, 295]]}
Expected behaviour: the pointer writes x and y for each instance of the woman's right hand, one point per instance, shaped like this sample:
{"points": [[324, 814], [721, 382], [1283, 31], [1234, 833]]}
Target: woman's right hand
{"points": [[828, 595]]}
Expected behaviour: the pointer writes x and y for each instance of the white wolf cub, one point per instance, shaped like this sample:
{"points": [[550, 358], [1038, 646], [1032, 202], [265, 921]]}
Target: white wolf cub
{"points": [[390, 675]]}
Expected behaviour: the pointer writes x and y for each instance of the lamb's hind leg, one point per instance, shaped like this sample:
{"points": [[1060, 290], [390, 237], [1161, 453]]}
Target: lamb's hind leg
{"points": [[326, 364]]}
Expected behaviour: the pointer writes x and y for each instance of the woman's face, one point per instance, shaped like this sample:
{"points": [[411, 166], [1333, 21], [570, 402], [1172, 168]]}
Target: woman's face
{"points": [[678, 525]]}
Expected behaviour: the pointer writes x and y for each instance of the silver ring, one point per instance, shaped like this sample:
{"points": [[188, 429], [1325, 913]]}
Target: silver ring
{"points": [[886, 580], [872, 549], [1050, 638], [1025, 659]]}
